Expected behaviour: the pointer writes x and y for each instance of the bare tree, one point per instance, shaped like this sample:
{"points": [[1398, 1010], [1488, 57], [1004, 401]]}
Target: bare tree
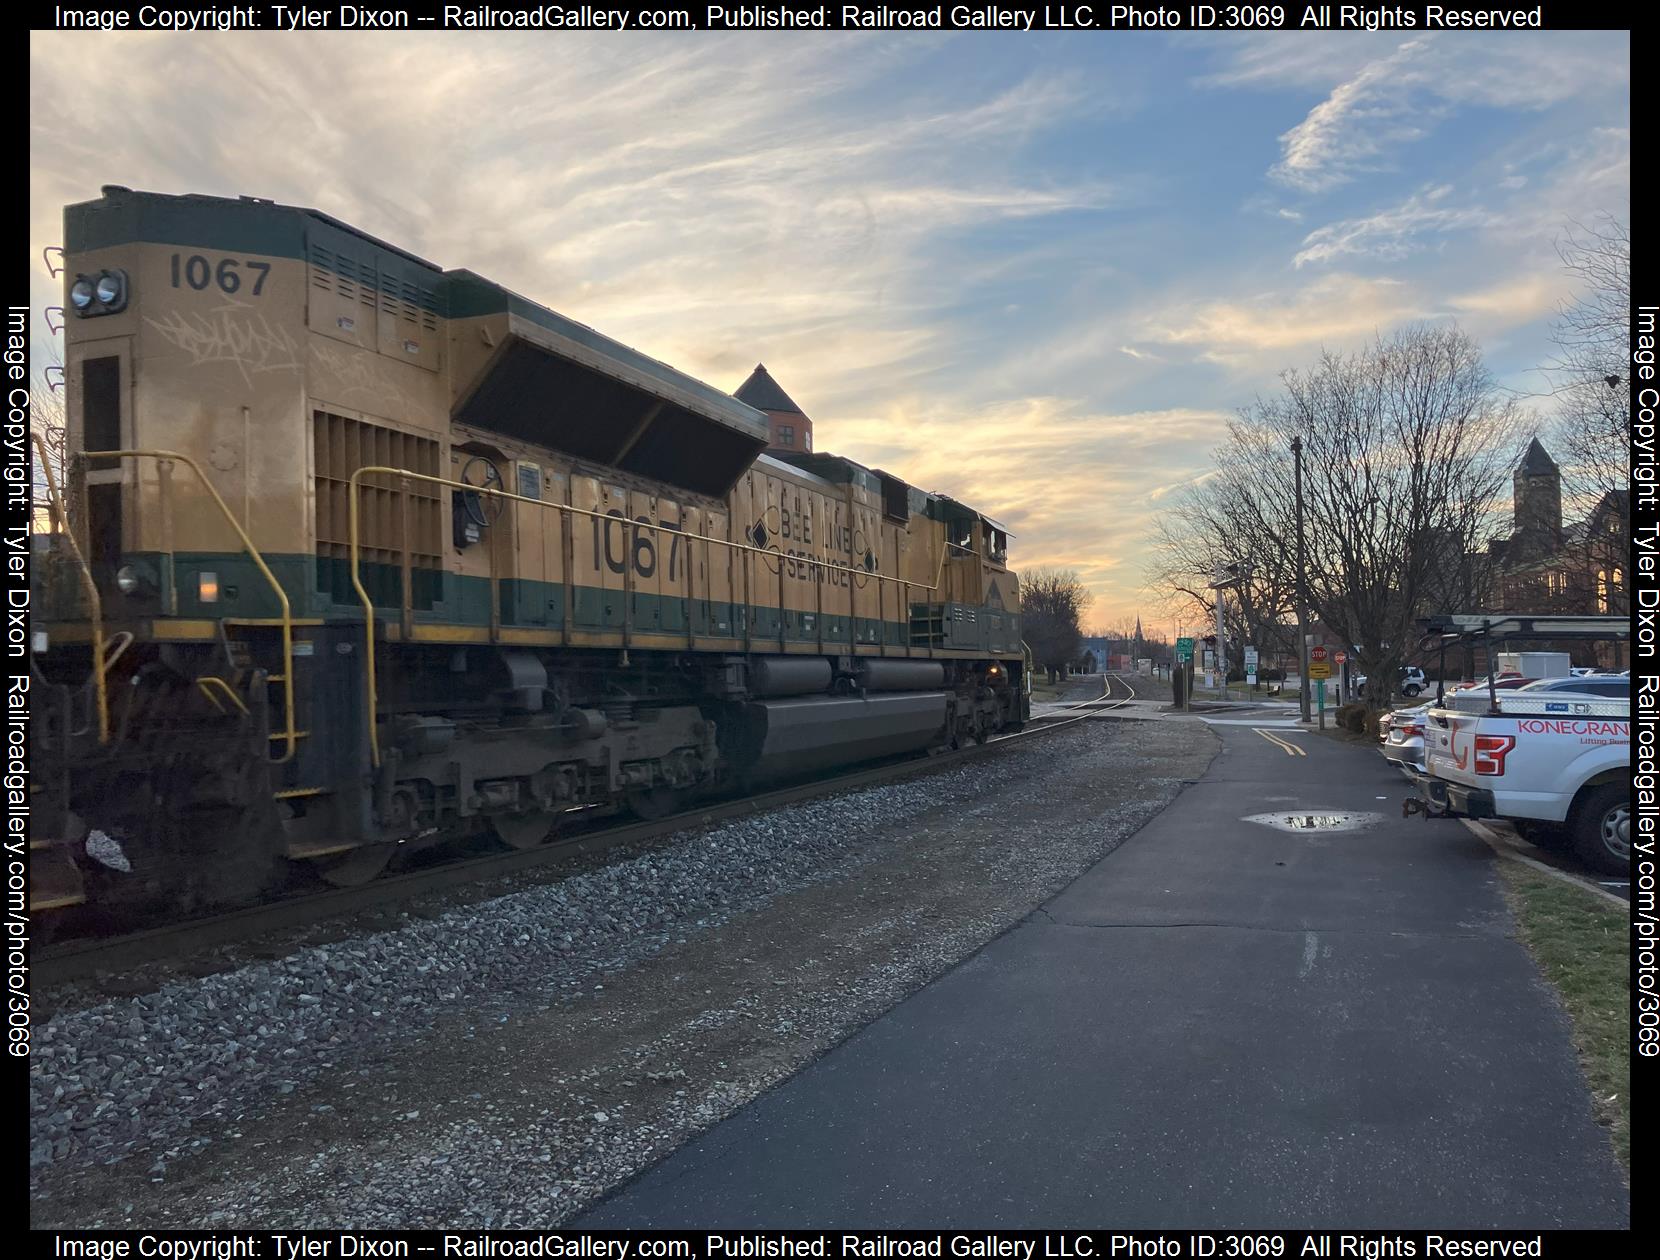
{"points": [[1052, 605], [1593, 339], [1591, 383], [1405, 444], [1202, 534]]}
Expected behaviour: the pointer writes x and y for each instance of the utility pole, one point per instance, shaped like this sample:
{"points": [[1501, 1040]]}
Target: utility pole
{"points": [[1221, 643], [1302, 592]]}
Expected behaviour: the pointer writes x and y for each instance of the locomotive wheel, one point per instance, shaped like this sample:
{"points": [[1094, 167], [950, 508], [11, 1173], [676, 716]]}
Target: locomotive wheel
{"points": [[528, 830], [356, 866], [654, 803]]}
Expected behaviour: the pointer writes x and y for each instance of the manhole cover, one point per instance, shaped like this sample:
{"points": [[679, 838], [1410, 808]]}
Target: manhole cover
{"points": [[1315, 820]]}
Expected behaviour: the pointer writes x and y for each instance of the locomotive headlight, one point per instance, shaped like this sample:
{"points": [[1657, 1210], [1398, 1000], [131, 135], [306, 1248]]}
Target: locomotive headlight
{"points": [[103, 294], [136, 579], [207, 587]]}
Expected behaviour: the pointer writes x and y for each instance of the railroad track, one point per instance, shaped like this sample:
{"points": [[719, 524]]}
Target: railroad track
{"points": [[83, 957]]}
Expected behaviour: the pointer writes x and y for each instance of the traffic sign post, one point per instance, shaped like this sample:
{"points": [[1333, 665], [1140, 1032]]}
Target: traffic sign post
{"points": [[1319, 669], [1184, 663], [1251, 666]]}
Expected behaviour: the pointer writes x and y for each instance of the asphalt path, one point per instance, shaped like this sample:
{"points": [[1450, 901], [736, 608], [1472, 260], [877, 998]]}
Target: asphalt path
{"points": [[1221, 1024]]}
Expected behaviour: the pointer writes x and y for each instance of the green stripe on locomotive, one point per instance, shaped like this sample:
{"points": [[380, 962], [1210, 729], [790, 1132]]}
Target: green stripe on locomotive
{"points": [[322, 589]]}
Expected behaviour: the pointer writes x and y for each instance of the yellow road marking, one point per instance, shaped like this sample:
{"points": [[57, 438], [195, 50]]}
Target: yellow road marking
{"points": [[1295, 748], [1290, 749]]}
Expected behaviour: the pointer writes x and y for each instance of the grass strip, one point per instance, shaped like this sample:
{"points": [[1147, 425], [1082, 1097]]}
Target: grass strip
{"points": [[1583, 945]]}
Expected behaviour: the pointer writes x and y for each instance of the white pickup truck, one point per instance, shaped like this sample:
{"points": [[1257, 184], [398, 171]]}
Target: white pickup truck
{"points": [[1555, 763]]}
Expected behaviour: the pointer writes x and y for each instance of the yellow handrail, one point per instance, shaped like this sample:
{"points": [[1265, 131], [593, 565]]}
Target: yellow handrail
{"points": [[208, 683], [381, 470], [96, 604], [288, 734]]}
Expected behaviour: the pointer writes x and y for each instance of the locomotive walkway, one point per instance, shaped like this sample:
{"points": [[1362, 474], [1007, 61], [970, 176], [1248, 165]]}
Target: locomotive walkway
{"points": [[1222, 1023]]}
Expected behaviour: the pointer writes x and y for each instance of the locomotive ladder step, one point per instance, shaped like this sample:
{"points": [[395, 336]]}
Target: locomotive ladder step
{"points": [[276, 735], [288, 794]]}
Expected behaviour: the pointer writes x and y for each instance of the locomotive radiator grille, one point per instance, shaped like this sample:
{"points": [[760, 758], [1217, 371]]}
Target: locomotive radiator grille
{"points": [[341, 447]]}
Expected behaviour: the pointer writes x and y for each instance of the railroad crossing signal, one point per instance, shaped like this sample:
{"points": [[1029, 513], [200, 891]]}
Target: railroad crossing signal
{"points": [[1319, 663]]}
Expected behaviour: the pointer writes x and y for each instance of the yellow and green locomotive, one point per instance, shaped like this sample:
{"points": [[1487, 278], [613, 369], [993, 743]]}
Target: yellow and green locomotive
{"points": [[350, 554]]}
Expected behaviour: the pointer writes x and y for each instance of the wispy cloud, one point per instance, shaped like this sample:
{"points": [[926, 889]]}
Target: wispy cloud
{"points": [[1395, 232], [1363, 118], [1385, 91], [1329, 310]]}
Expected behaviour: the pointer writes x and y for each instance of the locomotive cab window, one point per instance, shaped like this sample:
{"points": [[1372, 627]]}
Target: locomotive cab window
{"points": [[997, 543]]}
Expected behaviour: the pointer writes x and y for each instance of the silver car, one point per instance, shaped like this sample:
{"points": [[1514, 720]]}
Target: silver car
{"points": [[1403, 739]]}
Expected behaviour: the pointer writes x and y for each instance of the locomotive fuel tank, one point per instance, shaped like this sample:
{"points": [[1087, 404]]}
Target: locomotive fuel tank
{"points": [[793, 736]]}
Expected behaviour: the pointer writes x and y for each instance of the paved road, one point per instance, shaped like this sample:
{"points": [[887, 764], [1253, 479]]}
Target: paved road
{"points": [[1220, 1024]]}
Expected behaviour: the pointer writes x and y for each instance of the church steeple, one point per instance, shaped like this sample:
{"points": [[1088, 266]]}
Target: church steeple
{"points": [[1536, 496]]}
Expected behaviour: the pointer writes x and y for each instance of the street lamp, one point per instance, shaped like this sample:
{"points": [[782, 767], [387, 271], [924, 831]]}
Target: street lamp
{"points": [[1227, 575]]}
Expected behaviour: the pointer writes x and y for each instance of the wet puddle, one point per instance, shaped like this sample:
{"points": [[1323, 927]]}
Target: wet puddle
{"points": [[1315, 820]]}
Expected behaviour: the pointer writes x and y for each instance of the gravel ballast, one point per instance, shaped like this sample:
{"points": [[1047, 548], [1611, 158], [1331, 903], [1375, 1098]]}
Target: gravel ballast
{"points": [[508, 1061]]}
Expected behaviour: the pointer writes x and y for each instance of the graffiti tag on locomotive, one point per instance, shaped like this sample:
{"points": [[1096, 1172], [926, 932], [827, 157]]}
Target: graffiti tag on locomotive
{"points": [[353, 554]]}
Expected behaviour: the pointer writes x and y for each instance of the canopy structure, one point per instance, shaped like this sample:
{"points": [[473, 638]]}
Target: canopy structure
{"points": [[1456, 627]]}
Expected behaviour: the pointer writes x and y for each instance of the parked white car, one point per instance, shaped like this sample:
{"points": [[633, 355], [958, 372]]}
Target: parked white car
{"points": [[1412, 682]]}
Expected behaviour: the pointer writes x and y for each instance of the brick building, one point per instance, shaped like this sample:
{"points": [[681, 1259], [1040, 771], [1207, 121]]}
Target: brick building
{"points": [[1544, 566], [788, 427]]}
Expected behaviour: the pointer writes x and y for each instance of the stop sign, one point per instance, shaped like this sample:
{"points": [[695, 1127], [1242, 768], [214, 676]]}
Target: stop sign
{"points": [[1317, 654], [1341, 657]]}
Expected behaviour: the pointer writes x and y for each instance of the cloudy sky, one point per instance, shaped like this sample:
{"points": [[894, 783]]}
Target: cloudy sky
{"points": [[1034, 271]]}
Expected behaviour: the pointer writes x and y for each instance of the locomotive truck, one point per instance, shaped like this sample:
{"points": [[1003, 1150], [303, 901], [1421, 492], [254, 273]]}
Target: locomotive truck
{"points": [[350, 554]]}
